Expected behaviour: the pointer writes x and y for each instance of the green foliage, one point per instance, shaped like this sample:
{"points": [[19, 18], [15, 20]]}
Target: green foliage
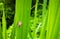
{"points": [[4, 24], [44, 20], [53, 18], [36, 22], [22, 15]]}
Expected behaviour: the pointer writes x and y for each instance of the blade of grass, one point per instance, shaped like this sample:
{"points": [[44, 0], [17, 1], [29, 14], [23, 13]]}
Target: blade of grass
{"points": [[19, 12], [4, 24], [26, 24], [44, 21], [53, 8], [22, 15], [57, 23], [35, 21]]}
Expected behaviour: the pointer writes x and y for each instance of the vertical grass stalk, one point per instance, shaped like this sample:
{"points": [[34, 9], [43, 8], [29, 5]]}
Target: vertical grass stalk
{"points": [[53, 18], [4, 24], [44, 20], [22, 15], [35, 21]]}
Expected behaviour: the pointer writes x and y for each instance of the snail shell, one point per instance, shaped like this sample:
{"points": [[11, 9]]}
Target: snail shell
{"points": [[19, 24]]}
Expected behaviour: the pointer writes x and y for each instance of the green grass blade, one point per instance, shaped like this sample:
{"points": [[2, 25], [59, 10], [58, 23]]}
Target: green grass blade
{"points": [[22, 15], [57, 24], [35, 21], [4, 24], [26, 19], [52, 15], [19, 14], [44, 20]]}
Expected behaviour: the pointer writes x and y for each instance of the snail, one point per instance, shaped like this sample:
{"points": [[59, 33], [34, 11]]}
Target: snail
{"points": [[19, 23]]}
